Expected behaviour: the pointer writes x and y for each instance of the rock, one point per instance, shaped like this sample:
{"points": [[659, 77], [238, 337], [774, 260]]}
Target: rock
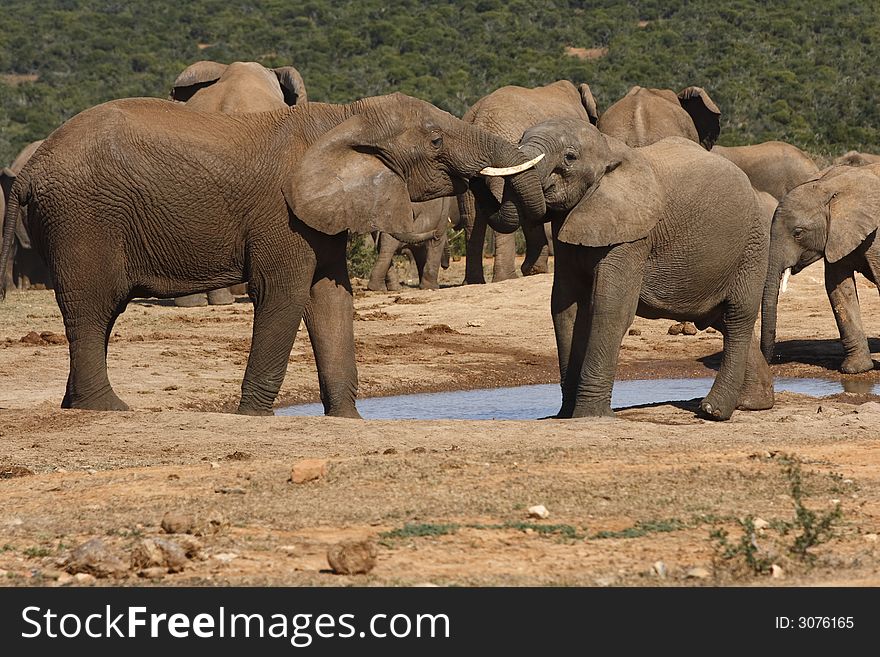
{"points": [[84, 578], [660, 569], [352, 557], [158, 553], [476, 323], [225, 557], [868, 407], [698, 573], [308, 470], [871, 538], [64, 579], [634, 331], [776, 572], [94, 558], [760, 524], [675, 329], [176, 522], [688, 328], [538, 511], [32, 338]]}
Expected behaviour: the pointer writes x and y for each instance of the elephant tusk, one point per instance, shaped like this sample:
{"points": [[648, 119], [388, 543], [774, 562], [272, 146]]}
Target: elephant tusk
{"points": [[785, 280], [509, 171]]}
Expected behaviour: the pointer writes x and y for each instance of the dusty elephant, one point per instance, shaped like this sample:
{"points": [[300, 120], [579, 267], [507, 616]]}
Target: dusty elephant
{"points": [[624, 221], [645, 116], [508, 112], [773, 167], [834, 217], [427, 241], [143, 197], [25, 268], [208, 86]]}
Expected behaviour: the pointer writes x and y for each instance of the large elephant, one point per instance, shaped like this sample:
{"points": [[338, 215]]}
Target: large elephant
{"points": [[834, 217], [508, 112], [669, 230], [427, 241], [773, 166], [144, 197], [645, 116], [25, 268], [208, 86]]}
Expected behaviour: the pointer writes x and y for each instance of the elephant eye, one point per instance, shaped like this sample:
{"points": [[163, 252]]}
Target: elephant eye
{"points": [[570, 157], [798, 232], [437, 141]]}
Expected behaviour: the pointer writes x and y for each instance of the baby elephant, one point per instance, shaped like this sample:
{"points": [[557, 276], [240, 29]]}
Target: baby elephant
{"points": [[665, 231], [835, 216]]}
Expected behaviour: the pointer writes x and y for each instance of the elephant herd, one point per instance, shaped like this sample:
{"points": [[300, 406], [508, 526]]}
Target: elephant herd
{"points": [[240, 181]]}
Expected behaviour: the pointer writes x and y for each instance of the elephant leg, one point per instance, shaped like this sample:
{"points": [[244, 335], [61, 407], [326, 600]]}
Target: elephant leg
{"points": [[331, 331], [537, 250], [475, 235], [9, 275], [757, 389], [617, 281], [279, 295], [89, 315], [378, 275], [840, 284], [429, 277], [569, 306], [220, 297], [504, 265], [730, 382], [192, 300]]}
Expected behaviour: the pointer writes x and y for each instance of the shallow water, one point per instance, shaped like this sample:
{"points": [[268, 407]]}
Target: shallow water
{"points": [[530, 402]]}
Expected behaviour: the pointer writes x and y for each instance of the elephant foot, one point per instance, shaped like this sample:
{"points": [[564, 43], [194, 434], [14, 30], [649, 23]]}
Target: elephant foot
{"points": [[756, 400], [349, 412], [192, 300], [533, 270], [502, 276], [716, 409], [429, 285], [857, 364], [238, 290], [587, 411], [376, 287], [107, 401], [221, 297], [257, 412]]}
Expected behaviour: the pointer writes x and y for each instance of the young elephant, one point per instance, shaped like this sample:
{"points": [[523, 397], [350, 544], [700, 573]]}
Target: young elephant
{"points": [[664, 231], [143, 197], [835, 216]]}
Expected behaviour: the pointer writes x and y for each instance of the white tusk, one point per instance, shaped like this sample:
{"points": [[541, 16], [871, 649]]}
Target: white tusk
{"points": [[509, 171], [785, 279]]}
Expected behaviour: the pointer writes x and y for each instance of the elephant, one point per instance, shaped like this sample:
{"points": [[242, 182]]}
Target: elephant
{"points": [[663, 231], [428, 243], [143, 197], [25, 268], [857, 159], [645, 116], [208, 86], [834, 217], [773, 166], [507, 112]]}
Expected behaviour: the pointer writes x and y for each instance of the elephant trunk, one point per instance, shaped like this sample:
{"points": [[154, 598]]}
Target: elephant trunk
{"points": [[768, 306], [415, 238], [9, 221], [508, 216]]}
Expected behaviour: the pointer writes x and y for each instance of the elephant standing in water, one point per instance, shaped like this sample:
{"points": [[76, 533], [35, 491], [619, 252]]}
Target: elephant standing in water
{"points": [[668, 230], [25, 268], [208, 86], [144, 197], [834, 217], [508, 112], [428, 243]]}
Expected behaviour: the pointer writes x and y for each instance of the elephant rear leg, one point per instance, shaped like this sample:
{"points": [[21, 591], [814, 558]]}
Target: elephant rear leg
{"points": [[384, 263], [89, 316], [723, 398], [757, 389]]}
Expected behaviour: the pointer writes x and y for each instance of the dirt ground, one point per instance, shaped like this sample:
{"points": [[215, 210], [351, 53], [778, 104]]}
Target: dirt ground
{"points": [[445, 502]]}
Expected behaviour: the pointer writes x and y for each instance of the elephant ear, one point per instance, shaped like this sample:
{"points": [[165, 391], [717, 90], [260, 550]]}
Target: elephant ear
{"points": [[7, 177], [623, 207], [704, 112], [292, 85], [589, 102], [853, 212], [194, 77], [339, 184]]}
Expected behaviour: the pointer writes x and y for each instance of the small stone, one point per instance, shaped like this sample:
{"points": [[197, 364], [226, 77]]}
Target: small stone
{"points": [[308, 470], [214, 465], [868, 407], [64, 579], [225, 557], [175, 522], [538, 511], [476, 323], [352, 557], [84, 578], [688, 328], [634, 331], [94, 558], [698, 573], [871, 538], [230, 490], [158, 553], [776, 571], [91, 471], [660, 569], [528, 531], [675, 329], [760, 524]]}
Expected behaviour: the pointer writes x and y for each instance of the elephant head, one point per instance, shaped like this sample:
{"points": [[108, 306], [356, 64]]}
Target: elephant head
{"points": [[607, 192], [364, 174], [204, 74], [829, 217]]}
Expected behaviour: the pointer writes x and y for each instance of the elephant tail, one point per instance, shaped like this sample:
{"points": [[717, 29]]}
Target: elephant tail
{"points": [[13, 203]]}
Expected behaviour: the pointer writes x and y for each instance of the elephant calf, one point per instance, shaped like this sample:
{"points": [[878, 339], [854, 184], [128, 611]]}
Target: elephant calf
{"points": [[664, 231], [143, 197]]}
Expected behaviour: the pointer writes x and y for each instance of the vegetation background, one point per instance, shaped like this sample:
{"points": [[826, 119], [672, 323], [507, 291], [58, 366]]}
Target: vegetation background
{"points": [[798, 70]]}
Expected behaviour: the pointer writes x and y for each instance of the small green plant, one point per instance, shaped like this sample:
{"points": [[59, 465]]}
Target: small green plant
{"points": [[35, 552], [7, 548], [361, 256], [412, 530], [644, 527], [746, 548], [815, 528]]}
